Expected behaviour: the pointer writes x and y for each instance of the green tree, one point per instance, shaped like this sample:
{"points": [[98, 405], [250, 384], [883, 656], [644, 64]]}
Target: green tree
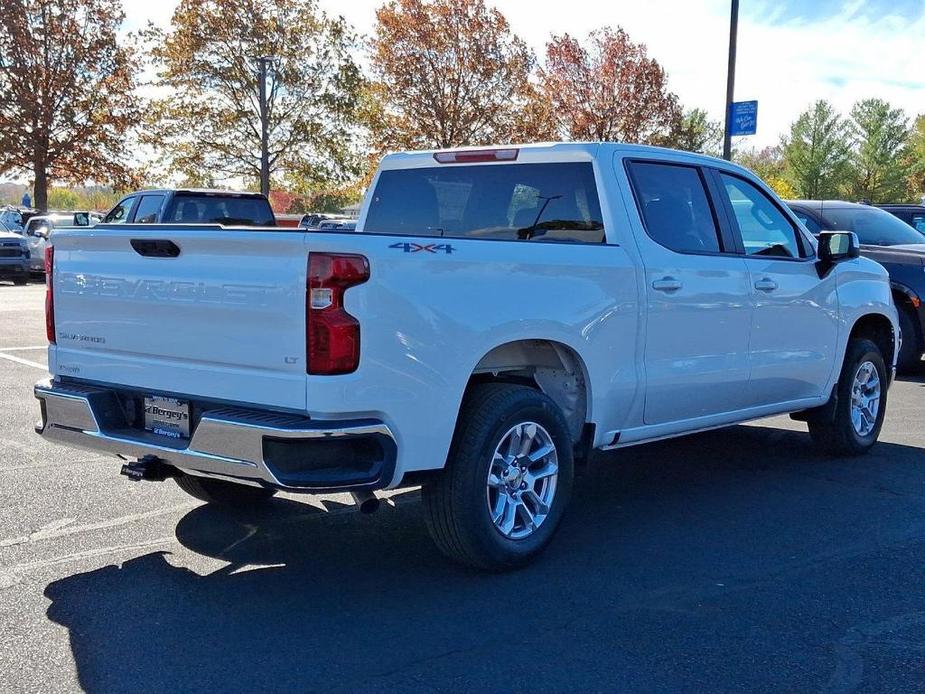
{"points": [[695, 132], [68, 89], [879, 171], [817, 152], [769, 165], [63, 199], [208, 119], [915, 159]]}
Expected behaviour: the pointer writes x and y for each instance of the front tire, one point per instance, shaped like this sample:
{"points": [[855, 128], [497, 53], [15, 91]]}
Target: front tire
{"points": [[223, 493], [852, 424], [507, 481]]}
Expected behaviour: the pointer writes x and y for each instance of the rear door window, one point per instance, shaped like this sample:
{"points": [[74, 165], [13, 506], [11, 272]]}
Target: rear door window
{"points": [[148, 209], [674, 207], [526, 202]]}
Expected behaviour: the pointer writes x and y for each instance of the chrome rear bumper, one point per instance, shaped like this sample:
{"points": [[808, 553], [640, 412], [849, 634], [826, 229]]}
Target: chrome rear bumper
{"points": [[227, 442]]}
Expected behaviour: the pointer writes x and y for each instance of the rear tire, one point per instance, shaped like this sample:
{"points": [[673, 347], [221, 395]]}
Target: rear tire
{"points": [[910, 354], [511, 458], [223, 493], [20, 281], [851, 425]]}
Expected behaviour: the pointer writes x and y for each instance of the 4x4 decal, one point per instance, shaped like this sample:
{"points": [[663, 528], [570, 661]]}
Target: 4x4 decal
{"points": [[427, 248]]}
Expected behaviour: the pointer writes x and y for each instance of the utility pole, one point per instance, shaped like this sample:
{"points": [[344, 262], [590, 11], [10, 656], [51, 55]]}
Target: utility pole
{"points": [[263, 62], [731, 79]]}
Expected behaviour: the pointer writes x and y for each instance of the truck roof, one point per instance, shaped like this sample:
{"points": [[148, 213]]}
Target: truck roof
{"points": [[545, 152], [199, 191]]}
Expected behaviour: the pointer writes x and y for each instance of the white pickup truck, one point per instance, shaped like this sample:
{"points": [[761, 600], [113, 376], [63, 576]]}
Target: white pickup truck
{"points": [[497, 315]]}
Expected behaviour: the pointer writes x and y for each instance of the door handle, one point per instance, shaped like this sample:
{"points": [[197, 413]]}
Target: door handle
{"points": [[667, 284], [766, 285], [155, 248]]}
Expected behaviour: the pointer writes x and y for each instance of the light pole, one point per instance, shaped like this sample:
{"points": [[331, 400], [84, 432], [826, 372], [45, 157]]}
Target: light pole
{"points": [[730, 80], [263, 62]]}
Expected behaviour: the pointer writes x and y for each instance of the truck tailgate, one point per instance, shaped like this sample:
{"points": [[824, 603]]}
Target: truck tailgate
{"points": [[224, 319]]}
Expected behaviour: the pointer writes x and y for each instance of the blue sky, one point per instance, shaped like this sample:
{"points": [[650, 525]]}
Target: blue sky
{"points": [[791, 52]]}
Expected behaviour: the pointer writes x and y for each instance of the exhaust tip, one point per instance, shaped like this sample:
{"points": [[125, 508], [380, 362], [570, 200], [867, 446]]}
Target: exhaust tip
{"points": [[366, 502]]}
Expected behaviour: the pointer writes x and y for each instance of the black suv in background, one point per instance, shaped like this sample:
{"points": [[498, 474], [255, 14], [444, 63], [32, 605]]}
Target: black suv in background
{"points": [[193, 206], [892, 243], [913, 215]]}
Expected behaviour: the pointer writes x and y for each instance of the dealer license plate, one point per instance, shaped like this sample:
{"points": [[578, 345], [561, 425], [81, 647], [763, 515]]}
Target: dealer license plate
{"points": [[167, 417]]}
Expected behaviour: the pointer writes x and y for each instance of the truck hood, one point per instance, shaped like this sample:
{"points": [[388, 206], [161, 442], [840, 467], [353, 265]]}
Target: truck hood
{"points": [[912, 254]]}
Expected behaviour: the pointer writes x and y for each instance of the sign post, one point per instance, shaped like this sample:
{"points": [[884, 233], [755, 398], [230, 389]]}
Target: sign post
{"points": [[730, 78]]}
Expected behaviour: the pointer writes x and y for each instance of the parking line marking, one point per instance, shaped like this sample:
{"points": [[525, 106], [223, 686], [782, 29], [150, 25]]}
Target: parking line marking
{"points": [[26, 362], [23, 349], [63, 527]]}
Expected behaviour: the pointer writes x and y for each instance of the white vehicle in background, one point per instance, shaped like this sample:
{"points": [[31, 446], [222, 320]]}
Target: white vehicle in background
{"points": [[39, 228], [497, 314]]}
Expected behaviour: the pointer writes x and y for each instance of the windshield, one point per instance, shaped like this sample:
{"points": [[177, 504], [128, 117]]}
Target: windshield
{"points": [[220, 209], [542, 202], [873, 226]]}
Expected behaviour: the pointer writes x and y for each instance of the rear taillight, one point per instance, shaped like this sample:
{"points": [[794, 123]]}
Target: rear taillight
{"points": [[332, 334], [50, 293]]}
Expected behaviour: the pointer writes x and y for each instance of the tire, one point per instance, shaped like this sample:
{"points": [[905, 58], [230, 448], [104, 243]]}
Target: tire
{"points": [[832, 428], [910, 354], [223, 493], [20, 281], [457, 500]]}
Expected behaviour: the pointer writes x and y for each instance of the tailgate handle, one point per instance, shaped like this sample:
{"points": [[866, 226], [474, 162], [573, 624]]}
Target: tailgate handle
{"points": [[156, 248]]}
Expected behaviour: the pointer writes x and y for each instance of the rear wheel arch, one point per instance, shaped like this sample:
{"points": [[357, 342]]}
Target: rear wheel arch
{"points": [[550, 366]]}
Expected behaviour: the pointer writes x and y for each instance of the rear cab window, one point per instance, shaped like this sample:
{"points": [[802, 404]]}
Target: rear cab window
{"points": [[217, 208], [544, 202]]}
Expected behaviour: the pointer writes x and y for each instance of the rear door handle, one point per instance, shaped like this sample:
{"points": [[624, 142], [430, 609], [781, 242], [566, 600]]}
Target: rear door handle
{"points": [[766, 285], [667, 284]]}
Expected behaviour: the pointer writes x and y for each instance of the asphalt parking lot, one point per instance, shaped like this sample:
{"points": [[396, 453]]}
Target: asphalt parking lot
{"points": [[731, 561]]}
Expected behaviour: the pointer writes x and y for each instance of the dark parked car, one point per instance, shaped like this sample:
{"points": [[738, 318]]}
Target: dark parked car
{"points": [[192, 206], [893, 244], [913, 215]]}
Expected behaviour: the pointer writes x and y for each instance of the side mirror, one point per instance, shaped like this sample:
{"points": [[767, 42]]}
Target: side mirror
{"points": [[836, 247]]}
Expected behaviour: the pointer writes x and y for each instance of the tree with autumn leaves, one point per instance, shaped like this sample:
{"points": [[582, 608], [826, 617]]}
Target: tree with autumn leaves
{"points": [[442, 73], [69, 93], [447, 73], [451, 72]]}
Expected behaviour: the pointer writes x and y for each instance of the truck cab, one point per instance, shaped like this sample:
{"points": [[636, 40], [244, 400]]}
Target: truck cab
{"points": [[192, 206]]}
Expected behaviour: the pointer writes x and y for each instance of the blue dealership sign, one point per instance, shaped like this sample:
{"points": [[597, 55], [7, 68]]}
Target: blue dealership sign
{"points": [[744, 117]]}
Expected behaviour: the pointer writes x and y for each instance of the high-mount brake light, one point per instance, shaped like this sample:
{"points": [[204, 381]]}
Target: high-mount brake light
{"points": [[50, 294], [473, 156], [332, 335]]}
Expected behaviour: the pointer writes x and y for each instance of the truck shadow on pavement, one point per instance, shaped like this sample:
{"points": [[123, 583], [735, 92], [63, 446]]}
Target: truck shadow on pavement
{"points": [[730, 560]]}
